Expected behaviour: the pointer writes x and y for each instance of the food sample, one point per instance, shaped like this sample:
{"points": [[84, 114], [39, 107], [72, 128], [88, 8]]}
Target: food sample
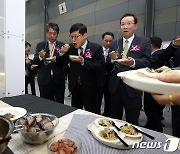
{"points": [[105, 122], [36, 128], [63, 146], [128, 129], [162, 70], [108, 134], [9, 115]]}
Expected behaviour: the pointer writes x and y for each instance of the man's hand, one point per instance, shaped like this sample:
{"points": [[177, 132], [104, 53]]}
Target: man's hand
{"points": [[113, 55], [128, 62], [176, 42], [53, 59], [42, 53], [65, 48], [28, 61], [79, 59]]}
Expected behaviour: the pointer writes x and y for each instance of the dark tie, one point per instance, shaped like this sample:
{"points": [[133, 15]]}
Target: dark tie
{"points": [[81, 53]]}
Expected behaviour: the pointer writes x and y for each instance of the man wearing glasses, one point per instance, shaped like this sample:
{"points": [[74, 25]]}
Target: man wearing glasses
{"points": [[132, 50], [86, 59]]}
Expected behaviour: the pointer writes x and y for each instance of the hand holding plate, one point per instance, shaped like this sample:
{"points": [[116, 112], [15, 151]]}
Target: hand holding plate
{"points": [[128, 62], [42, 53]]}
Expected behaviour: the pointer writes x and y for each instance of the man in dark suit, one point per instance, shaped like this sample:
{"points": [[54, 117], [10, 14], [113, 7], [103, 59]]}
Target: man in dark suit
{"points": [[30, 71], [152, 109], [173, 50], [82, 77], [103, 77], [51, 77], [134, 52]]}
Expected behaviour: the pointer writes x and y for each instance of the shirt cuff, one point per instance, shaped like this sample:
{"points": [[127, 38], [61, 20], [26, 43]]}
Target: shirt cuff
{"points": [[40, 58], [112, 61], [61, 54], [133, 66]]}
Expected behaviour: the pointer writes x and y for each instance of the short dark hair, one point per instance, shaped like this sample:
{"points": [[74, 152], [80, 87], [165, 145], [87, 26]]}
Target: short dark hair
{"points": [[156, 42], [131, 15], [27, 44], [78, 26], [54, 26], [107, 33]]}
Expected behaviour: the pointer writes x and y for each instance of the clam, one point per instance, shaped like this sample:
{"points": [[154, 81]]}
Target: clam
{"points": [[31, 120], [48, 126]]}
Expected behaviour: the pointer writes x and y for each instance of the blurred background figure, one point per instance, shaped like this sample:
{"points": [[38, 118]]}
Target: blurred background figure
{"points": [[172, 52], [152, 109], [30, 71], [103, 89]]}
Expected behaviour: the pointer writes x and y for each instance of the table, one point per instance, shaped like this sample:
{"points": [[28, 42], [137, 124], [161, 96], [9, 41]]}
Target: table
{"points": [[36, 104]]}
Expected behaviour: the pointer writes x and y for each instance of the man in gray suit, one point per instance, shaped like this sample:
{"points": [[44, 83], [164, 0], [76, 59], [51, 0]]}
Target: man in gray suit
{"points": [[133, 51]]}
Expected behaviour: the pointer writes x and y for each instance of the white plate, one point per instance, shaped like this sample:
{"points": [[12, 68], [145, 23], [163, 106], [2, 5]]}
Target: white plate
{"points": [[133, 136], [50, 58], [17, 111], [152, 85], [119, 60], [154, 75], [34, 65], [92, 127], [97, 122], [73, 56], [97, 131]]}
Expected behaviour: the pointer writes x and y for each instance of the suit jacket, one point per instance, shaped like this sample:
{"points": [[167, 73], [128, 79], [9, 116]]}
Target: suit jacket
{"points": [[141, 60], [88, 71], [45, 68], [30, 72], [155, 62], [169, 52]]}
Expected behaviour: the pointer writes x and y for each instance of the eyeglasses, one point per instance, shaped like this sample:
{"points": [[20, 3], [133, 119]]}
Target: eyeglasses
{"points": [[74, 37], [127, 24]]}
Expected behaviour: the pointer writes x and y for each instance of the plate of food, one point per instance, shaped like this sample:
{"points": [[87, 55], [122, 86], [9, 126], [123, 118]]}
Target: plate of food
{"points": [[64, 144], [33, 65], [49, 58], [129, 130], [103, 122], [154, 72], [107, 137], [73, 56], [13, 113], [141, 82], [120, 60]]}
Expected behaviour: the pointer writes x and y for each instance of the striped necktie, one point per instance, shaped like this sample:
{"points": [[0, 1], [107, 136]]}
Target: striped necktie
{"points": [[125, 49]]}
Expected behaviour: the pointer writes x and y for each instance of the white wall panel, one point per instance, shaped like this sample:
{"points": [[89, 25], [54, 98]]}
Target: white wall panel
{"points": [[2, 17], [12, 46], [14, 65], [15, 17]]}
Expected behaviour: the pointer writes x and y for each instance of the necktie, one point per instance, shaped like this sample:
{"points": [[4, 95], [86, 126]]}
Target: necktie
{"points": [[106, 52], [81, 52], [51, 48], [124, 54]]}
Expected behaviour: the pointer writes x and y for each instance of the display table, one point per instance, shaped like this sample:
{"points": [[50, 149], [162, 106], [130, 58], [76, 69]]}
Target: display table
{"points": [[71, 120]]}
